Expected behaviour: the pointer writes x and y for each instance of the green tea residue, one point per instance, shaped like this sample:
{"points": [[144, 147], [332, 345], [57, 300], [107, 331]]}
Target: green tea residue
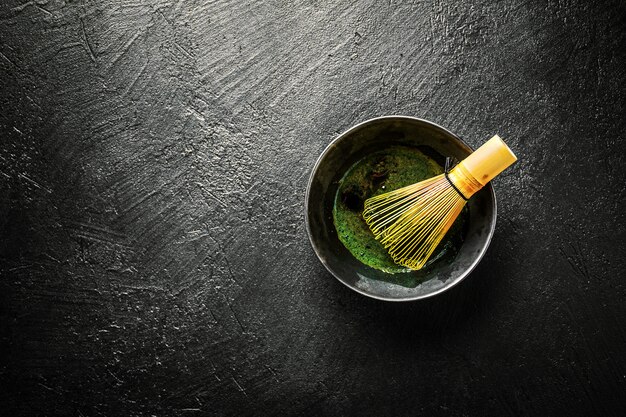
{"points": [[378, 173]]}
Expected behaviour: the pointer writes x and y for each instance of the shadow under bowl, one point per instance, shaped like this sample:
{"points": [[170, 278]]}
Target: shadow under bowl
{"points": [[351, 146]]}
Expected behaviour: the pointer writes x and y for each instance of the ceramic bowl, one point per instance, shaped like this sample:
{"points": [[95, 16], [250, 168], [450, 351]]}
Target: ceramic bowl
{"points": [[352, 145]]}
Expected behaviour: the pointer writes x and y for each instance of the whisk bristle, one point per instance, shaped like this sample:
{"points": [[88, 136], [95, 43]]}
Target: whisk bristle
{"points": [[411, 221]]}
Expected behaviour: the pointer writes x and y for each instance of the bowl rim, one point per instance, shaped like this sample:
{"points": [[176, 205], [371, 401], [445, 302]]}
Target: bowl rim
{"points": [[461, 277]]}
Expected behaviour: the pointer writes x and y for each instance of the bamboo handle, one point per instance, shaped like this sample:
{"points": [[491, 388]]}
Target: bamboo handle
{"points": [[486, 162]]}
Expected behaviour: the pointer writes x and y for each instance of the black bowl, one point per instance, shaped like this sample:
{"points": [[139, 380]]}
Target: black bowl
{"points": [[339, 156]]}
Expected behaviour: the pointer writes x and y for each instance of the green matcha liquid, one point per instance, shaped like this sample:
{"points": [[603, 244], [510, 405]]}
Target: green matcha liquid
{"points": [[378, 173]]}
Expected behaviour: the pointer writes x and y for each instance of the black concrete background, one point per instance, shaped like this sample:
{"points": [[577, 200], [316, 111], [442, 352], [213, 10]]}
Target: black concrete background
{"points": [[153, 162]]}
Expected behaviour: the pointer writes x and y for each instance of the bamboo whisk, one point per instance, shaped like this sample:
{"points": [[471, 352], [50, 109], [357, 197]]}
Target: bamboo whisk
{"points": [[411, 221]]}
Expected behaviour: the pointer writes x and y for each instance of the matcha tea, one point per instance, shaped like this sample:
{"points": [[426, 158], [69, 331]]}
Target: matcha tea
{"points": [[378, 173]]}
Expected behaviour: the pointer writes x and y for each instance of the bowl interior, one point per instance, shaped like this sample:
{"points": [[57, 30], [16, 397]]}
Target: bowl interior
{"points": [[350, 147]]}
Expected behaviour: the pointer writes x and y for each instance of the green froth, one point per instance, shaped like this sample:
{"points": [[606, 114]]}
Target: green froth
{"points": [[378, 173]]}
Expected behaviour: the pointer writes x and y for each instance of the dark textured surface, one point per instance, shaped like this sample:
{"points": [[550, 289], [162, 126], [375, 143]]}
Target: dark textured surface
{"points": [[153, 161]]}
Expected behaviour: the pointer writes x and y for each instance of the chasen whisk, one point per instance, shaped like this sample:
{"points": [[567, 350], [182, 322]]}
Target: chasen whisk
{"points": [[411, 221]]}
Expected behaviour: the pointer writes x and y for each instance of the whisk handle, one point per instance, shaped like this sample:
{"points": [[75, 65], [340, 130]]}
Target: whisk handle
{"points": [[486, 162]]}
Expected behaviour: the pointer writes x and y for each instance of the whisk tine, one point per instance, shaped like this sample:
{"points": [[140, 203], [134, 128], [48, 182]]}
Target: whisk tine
{"points": [[381, 212], [411, 221]]}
